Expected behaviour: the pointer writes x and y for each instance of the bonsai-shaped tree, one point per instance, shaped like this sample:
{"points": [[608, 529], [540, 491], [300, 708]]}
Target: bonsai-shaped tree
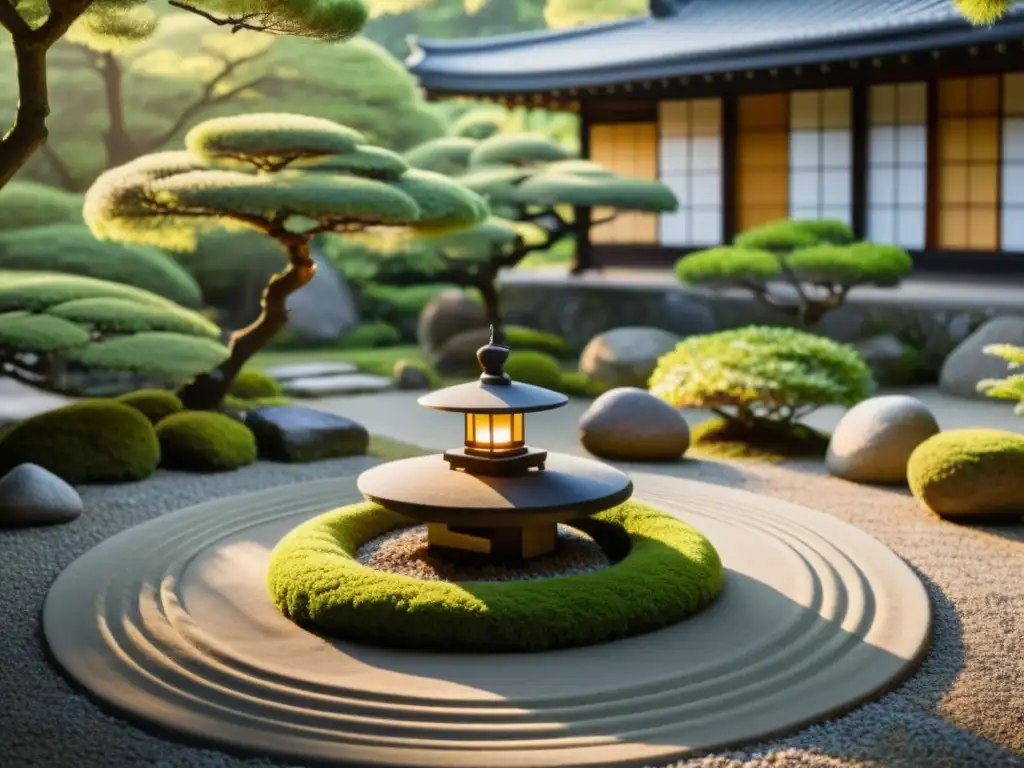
{"points": [[1012, 387], [72, 249], [761, 381], [287, 176], [50, 323], [820, 261], [532, 185], [34, 26]]}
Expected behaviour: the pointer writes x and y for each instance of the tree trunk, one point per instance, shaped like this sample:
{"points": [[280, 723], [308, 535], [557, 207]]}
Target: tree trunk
{"points": [[119, 145], [492, 305], [207, 391], [29, 131]]}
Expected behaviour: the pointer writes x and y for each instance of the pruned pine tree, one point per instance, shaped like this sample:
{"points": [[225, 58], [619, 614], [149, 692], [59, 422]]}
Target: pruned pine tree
{"points": [[35, 26], [289, 177], [51, 322], [534, 187]]}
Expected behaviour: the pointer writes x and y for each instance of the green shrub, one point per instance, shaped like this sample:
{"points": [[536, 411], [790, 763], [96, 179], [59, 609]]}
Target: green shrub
{"points": [[72, 249], [1012, 387], [233, 404], [668, 571], [763, 373], [520, 337], [728, 265], [205, 441], [25, 204], [579, 384], [537, 368], [93, 441], [252, 384], [788, 235], [370, 336], [154, 404]]}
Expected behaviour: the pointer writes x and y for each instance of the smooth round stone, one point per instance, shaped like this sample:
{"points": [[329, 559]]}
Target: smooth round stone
{"points": [[32, 495], [630, 424], [873, 441]]}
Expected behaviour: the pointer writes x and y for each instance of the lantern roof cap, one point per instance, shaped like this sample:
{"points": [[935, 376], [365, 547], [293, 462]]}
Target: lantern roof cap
{"points": [[494, 391]]}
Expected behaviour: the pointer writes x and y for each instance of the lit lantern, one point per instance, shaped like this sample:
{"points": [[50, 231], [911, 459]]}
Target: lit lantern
{"points": [[504, 499]]}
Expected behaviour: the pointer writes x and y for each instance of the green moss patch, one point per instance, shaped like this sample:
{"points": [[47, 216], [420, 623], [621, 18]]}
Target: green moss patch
{"points": [[205, 441], [670, 572], [154, 404], [93, 441], [729, 439], [538, 368], [386, 449], [253, 384]]}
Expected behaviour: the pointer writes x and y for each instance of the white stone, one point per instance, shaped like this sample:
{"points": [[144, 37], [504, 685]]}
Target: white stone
{"points": [[873, 441], [967, 365], [308, 370], [344, 384]]}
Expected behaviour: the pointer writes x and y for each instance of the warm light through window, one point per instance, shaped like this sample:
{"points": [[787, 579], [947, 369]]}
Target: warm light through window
{"points": [[502, 430]]}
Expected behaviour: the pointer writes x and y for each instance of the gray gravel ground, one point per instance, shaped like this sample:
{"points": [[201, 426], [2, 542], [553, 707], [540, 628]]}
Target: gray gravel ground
{"points": [[963, 709]]}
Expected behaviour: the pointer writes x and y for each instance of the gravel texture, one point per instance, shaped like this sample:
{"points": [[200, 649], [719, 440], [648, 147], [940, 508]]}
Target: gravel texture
{"points": [[963, 709], [404, 551]]}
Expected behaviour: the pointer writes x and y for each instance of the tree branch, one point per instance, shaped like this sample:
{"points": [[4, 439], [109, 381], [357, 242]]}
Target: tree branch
{"points": [[12, 21], [236, 23]]}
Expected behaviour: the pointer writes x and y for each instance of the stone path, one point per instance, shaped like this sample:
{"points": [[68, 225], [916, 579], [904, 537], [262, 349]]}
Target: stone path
{"points": [[326, 379]]}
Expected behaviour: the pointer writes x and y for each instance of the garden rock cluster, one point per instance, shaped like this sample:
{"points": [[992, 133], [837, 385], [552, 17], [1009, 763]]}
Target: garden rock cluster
{"points": [[874, 440], [629, 424], [626, 357], [446, 315], [31, 495]]}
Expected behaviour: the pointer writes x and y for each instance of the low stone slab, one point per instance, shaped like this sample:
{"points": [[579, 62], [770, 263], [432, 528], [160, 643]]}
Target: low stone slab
{"points": [[799, 635], [341, 384], [32, 495], [306, 370], [292, 433]]}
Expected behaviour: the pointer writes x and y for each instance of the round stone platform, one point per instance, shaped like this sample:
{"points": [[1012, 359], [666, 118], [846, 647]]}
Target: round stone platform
{"points": [[169, 622]]}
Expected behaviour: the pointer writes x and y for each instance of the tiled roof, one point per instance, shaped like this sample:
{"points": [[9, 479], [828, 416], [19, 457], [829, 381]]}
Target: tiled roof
{"points": [[699, 37]]}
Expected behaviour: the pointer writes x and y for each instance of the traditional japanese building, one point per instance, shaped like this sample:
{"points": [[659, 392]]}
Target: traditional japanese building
{"points": [[896, 116]]}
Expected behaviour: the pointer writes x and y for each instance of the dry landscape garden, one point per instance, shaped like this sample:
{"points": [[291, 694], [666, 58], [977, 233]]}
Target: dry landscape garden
{"points": [[324, 442]]}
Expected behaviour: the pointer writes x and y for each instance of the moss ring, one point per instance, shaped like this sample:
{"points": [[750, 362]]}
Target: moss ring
{"points": [[669, 572]]}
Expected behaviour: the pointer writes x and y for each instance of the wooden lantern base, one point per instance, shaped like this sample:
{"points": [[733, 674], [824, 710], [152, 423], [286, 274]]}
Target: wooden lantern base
{"points": [[509, 544]]}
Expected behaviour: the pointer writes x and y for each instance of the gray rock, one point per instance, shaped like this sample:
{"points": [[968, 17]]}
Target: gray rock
{"points": [[686, 315], [31, 495], [324, 308], [629, 424], [457, 356], [626, 357], [892, 362], [410, 377], [968, 364], [873, 441], [308, 370], [342, 384], [291, 433], [447, 314]]}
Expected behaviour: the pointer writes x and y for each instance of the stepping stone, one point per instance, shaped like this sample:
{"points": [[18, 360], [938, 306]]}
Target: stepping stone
{"points": [[294, 433], [344, 384], [308, 370]]}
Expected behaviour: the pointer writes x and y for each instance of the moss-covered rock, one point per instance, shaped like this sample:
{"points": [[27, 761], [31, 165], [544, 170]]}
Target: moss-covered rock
{"points": [[93, 441], [667, 571], [154, 404], [969, 472], [410, 374], [205, 441], [253, 384], [764, 440]]}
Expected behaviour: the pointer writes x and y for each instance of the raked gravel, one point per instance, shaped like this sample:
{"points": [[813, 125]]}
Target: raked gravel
{"points": [[963, 709]]}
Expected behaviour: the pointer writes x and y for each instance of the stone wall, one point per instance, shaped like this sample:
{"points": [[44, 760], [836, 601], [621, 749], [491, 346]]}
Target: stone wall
{"points": [[579, 311]]}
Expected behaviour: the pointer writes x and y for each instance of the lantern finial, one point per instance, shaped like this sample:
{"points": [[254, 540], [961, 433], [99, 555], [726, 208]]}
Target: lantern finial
{"points": [[492, 359]]}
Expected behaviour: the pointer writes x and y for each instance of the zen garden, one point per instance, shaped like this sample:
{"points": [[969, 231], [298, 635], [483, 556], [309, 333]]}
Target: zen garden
{"points": [[535, 384]]}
